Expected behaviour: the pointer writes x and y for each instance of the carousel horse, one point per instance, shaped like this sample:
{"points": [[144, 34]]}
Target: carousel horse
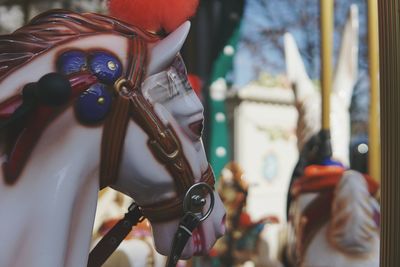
{"points": [[84, 96], [243, 241], [333, 216]]}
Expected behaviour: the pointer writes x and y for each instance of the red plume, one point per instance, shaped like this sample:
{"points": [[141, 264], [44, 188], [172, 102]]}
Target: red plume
{"points": [[153, 15]]}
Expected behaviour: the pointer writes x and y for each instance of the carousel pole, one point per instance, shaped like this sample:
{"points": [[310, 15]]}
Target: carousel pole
{"points": [[389, 42], [326, 14], [374, 158]]}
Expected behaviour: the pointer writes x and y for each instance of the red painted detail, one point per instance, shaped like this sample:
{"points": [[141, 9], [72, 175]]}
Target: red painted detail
{"points": [[26, 142], [35, 125], [319, 178], [8, 107], [316, 214], [80, 82]]}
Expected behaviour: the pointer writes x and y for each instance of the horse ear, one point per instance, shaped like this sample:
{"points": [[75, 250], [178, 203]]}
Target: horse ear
{"points": [[296, 71], [346, 72], [162, 54]]}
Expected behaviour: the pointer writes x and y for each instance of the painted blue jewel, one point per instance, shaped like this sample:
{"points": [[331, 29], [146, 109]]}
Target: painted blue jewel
{"points": [[71, 61], [93, 105], [106, 67]]}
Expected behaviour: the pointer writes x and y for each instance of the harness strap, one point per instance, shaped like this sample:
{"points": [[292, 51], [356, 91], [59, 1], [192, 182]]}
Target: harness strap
{"points": [[185, 229], [109, 243], [116, 123], [112, 142], [163, 142], [171, 209]]}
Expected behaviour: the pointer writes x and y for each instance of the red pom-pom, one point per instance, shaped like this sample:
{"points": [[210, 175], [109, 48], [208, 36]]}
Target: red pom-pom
{"points": [[153, 15]]}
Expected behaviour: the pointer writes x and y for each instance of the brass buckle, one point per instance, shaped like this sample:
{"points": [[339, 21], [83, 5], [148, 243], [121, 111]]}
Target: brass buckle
{"points": [[124, 87], [160, 151]]}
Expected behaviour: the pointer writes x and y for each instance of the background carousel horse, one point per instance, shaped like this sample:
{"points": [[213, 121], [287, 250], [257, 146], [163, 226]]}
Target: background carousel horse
{"points": [[243, 241], [333, 218], [52, 139]]}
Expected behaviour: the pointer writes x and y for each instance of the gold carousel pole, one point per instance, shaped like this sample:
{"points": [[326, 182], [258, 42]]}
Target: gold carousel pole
{"points": [[374, 158], [325, 148], [326, 59], [389, 42]]}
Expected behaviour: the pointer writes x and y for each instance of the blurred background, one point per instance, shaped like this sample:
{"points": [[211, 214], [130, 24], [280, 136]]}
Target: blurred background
{"points": [[235, 54]]}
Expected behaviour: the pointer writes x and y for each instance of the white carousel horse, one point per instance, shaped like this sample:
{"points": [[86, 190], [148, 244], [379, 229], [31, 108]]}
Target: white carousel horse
{"points": [[333, 219], [48, 206]]}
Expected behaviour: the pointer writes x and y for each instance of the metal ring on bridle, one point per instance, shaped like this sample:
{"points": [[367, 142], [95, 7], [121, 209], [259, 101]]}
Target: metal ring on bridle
{"points": [[195, 197], [123, 87]]}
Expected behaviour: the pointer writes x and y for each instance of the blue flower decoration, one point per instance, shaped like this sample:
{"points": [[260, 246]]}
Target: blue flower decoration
{"points": [[71, 62], [94, 104], [106, 67]]}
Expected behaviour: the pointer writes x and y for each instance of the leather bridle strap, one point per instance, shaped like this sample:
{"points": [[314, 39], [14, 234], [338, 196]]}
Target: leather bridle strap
{"points": [[163, 142], [172, 208], [116, 123], [110, 242], [113, 140]]}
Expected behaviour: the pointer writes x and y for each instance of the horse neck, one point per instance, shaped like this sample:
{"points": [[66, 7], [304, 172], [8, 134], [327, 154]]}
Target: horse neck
{"points": [[351, 234], [353, 227], [49, 212]]}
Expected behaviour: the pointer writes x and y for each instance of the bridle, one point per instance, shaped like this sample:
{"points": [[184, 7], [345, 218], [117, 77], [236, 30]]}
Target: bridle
{"points": [[129, 103]]}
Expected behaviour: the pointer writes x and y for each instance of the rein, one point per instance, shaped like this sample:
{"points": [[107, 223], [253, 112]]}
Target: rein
{"points": [[165, 146]]}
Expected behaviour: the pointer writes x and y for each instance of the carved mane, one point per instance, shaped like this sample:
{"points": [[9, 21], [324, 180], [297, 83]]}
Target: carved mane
{"points": [[53, 28]]}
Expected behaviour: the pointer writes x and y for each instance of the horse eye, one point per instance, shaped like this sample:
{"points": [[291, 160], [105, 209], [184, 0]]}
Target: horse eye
{"points": [[197, 128]]}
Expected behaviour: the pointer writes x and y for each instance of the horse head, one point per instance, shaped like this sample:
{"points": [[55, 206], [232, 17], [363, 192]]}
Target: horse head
{"points": [[123, 95], [176, 104]]}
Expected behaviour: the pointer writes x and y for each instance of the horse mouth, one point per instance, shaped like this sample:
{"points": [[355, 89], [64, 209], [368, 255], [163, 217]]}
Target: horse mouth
{"points": [[197, 128], [199, 242]]}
